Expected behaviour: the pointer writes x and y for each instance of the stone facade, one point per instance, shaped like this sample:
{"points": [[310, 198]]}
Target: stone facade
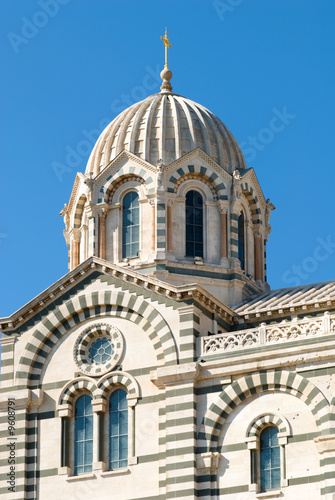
{"points": [[208, 356]]}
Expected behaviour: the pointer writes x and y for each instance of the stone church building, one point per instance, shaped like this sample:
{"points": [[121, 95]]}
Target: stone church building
{"points": [[162, 365]]}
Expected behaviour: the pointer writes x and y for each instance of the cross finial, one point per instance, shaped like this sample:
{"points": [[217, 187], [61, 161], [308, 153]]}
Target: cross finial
{"points": [[166, 44]]}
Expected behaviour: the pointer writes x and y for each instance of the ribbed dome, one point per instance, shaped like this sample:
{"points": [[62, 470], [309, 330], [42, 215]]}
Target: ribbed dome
{"points": [[166, 126]]}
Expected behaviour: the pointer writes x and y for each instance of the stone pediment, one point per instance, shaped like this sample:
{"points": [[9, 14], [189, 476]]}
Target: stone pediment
{"points": [[204, 159], [124, 276]]}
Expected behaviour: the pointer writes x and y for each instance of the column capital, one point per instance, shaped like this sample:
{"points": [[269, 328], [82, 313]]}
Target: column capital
{"points": [[208, 461], [75, 234]]}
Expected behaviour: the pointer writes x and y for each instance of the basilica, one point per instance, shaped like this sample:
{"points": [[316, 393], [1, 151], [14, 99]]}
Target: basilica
{"points": [[162, 365]]}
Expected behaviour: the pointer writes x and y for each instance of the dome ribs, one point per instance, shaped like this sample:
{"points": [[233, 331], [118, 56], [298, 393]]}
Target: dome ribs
{"points": [[205, 134], [162, 129], [166, 126], [187, 113], [176, 124], [147, 133], [128, 116], [134, 131]]}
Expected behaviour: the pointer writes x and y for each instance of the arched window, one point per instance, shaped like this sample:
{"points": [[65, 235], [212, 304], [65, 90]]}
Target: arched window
{"points": [[130, 226], [83, 442], [194, 225], [241, 242], [269, 459], [118, 430]]}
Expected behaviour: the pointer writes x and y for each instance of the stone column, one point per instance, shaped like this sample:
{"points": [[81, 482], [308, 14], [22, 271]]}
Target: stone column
{"points": [[258, 255], [153, 233], [75, 248], [169, 226], [102, 234], [99, 408], [223, 233]]}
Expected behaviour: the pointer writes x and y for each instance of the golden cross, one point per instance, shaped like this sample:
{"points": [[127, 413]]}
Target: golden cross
{"points": [[167, 44]]}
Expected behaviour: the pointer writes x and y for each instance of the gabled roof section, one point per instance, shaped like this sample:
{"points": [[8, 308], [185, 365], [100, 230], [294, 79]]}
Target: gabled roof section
{"points": [[93, 265], [302, 299]]}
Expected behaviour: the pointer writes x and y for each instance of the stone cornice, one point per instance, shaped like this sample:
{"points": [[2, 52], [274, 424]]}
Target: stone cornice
{"points": [[278, 312], [177, 293]]}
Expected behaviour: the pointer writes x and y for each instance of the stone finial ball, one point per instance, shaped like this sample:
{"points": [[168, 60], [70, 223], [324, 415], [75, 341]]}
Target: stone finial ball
{"points": [[166, 74]]}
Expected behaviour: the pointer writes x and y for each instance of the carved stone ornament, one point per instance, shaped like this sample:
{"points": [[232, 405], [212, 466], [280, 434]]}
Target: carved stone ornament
{"points": [[98, 349]]}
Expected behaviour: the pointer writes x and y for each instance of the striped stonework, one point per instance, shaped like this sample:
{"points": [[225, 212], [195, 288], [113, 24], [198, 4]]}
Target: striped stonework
{"points": [[91, 237], [127, 170], [179, 419], [118, 182], [79, 211], [234, 235], [78, 310], [253, 202], [202, 172], [189, 324], [161, 228], [7, 361], [98, 389], [74, 387], [260, 422], [117, 378], [21, 441], [260, 382]]}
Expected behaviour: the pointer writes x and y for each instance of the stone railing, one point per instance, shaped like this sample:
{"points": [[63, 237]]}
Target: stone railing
{"points": [[272, 334]]}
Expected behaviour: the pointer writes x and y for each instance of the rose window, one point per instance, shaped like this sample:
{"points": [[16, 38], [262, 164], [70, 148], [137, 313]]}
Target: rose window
{"points": [[98, 349], [101, 351]]}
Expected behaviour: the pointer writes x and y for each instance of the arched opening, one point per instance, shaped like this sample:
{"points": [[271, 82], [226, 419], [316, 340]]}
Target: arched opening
{"points": [[130, 225], [194, 225]]}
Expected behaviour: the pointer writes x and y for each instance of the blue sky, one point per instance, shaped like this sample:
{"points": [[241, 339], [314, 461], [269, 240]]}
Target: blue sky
{"points": [[70, 66]]}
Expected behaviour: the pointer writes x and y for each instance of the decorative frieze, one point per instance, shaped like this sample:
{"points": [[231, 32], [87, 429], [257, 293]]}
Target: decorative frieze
{"points": [[266, 335]]}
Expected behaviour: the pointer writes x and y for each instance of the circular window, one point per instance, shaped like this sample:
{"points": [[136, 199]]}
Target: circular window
{"points": [[98, 349]]}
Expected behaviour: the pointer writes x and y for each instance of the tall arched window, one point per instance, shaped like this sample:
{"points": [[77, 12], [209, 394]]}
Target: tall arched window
{"points": [[130, 226], [269, 459], [83, 442], [118, 430], [194, 225], [241, 241]]}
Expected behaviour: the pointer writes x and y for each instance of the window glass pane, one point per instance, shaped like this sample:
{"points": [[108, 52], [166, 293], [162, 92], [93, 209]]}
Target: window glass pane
{"points": [[135, 233], [130, 225], [265, 459], [269, 459], [83, 446], [118, 429], [189, 233], [275, 478], [127, 201], [198, 250], [194, 224], [265, 481]]}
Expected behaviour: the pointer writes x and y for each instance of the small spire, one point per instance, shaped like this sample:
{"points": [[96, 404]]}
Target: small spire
{"points": [[166, 74]]}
